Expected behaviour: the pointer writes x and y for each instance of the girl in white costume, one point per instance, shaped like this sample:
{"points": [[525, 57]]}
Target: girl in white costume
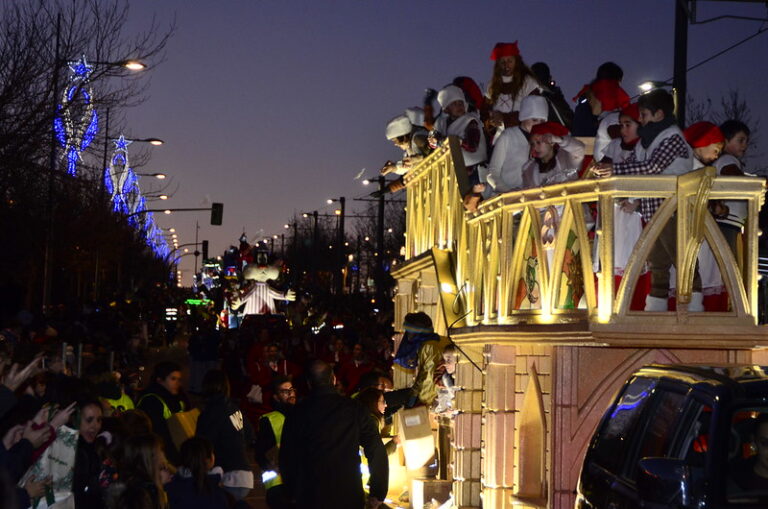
{"points": [[627, 221]]}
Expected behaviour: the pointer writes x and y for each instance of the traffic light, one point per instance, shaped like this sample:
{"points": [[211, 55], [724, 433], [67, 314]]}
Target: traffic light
{"points": [[217, 213], [205, 250]]}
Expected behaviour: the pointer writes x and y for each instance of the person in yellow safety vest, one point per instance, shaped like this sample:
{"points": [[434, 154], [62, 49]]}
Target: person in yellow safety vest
{"points": [[163, 398], [268, 441], [121, 404]]}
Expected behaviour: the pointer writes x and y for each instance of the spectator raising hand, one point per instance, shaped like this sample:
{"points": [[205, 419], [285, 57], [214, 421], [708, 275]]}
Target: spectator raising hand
{"points": [[62, 416], [14, 378]]}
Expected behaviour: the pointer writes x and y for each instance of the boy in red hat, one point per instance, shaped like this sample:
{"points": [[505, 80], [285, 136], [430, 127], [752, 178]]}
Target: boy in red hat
{"points": [[556, 159], [511, 82], [707, 141]]}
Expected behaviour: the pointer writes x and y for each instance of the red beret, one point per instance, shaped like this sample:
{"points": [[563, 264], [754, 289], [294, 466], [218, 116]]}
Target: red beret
{"points": [[702, 134], [550, 128], [632, 111], [610, 94], [505, 49]]}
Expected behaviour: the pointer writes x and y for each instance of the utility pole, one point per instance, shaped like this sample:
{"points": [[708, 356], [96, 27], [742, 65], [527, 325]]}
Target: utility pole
{"points": [[47, 258], [102, 183], [197, 253], [379, 255], [315, 236], [679, 77], [340, 242]]}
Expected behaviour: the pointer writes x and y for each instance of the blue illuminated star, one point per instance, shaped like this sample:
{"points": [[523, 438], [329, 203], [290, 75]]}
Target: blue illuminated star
{"points": [[121, 143], [80, 68]]}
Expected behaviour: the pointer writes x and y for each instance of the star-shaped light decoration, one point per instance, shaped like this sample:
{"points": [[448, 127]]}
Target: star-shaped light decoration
{"points": [[81, 69], [121, 143]]}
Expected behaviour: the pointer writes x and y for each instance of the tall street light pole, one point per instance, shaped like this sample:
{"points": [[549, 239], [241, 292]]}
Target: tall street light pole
{"points": [[47, 279], [680, 76], [339, 279], [379, 272]]}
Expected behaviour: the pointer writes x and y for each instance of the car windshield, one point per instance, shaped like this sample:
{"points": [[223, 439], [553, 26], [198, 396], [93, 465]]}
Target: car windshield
{"points": [[748, 455]]}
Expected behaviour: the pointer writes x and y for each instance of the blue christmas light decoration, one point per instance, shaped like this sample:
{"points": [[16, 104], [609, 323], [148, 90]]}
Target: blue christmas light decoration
{"points": [[123, 185], [80, 68], [76, 135]]}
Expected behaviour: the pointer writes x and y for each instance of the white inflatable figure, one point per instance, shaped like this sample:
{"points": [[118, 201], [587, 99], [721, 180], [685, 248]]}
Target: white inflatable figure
{"points": [[260, 298]]}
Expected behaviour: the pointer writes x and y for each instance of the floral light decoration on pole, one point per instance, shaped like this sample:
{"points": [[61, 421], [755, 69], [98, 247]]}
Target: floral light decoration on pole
{"points": [[77, 121], [122, 183]]}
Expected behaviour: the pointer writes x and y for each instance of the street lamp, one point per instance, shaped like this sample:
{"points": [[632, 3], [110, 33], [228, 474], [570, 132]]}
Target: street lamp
{"points": [[647, 86], [159, 176]]}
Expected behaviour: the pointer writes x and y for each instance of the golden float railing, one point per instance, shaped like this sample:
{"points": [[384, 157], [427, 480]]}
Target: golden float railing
{"points": [[504, 273]]}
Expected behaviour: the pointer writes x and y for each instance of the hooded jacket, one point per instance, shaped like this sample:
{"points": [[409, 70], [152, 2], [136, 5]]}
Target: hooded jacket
{"points": [[222, 422]]}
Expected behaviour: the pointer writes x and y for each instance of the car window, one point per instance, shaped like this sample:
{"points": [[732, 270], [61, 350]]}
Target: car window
{"points": [[660, 427], [748, 456], [613, 442], [695, 436]]}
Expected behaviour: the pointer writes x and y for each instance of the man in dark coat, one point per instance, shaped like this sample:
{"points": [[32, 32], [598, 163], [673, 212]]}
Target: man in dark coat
{"points": [[319, 453]]}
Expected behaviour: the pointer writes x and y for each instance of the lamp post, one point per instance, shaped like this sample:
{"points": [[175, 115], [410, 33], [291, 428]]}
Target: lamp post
{"points": [[340, 242], [379, 272]]}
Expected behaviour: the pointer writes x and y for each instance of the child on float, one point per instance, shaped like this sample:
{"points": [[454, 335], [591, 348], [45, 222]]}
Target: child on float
{"points": [[407, 133], [584, 122], [707, 141], [467, 126], [606, 99], [731, 215], [662, 150], [627, 221], [512, 150], [512, 81], [556, 159]]}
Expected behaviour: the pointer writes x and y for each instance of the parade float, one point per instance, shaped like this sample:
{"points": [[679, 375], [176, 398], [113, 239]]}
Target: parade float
{"points": [[545, 333]]}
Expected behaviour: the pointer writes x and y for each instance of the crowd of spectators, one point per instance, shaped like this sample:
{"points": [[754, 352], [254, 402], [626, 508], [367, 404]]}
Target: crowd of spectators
{"points": [[85, 403]]}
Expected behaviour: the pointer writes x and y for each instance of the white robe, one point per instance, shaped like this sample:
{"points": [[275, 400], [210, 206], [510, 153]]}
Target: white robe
{"points": [[511, 152]]}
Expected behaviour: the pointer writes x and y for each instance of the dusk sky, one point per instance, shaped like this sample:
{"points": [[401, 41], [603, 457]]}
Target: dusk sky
{"points": [[273, 107]]}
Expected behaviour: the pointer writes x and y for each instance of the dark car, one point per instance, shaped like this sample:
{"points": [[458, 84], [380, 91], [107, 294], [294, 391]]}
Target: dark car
{"points": [[681, 437]]}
